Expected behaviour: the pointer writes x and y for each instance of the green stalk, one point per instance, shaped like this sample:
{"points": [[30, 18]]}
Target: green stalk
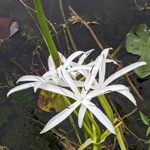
{"points": [[54, 53], [110, 115], [46, 32], [95, 138], [75, 128], [120, 138], [89, 132], [96, 147], [106, 107]]}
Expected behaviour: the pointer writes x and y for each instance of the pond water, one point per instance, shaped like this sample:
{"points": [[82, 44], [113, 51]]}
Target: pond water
{"points": [[19, 127]]}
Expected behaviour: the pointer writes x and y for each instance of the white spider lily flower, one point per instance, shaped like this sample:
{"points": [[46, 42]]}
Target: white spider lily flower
{"points": [[103, 84], [82, 97], [70, 64], [52, 76], [101, 70], [34, 81]]}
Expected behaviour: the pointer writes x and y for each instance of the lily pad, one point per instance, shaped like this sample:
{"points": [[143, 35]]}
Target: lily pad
{"points": [[138, 42]]}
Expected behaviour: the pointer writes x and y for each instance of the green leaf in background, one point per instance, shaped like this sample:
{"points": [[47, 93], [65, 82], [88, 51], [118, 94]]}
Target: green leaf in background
{"points": [[46, 33], [144, 118], [138, 42], [148, 131], [147, 142]]}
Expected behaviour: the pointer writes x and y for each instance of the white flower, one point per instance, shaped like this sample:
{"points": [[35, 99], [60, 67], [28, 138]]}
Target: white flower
{"points": [[53, 76], [82, 97], [62, 80], [102, 84]]}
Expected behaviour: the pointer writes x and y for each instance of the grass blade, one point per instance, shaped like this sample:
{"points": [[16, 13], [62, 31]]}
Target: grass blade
{"points": [[45, 31]]}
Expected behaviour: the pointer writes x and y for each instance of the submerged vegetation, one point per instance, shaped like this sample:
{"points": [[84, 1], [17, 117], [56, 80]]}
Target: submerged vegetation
{"points": [[70, 87]]}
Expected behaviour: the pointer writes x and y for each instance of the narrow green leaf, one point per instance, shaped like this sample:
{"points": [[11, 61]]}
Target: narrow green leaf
{"points": [[106, 107], [104, 136], [86, 144], [45, 31], [147, 142], [148, 131], [144, 118]]}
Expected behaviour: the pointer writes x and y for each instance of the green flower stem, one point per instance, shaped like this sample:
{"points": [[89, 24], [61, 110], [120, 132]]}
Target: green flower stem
{"points": [[95, 137], [120, 138], [46, 32], [75, 128], [91, 118], [87, 129], [107, 132], [96, 147], [110, 115], [106, 107], [92, 131]]}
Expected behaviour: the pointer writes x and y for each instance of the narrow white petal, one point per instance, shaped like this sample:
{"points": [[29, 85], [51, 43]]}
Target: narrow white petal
{"points": [[21, 87], [70, 82], [51, 65], [105, 90], [84, 56], [36, 86], [81, 115], [102, 66], [128, 95], [102, 71], [123, 71], [92, 75], [98, 64], [29, 78], [71, 58], [47, 75], [79, 83], [107, 61], [60, 117], [99, 115], [62, 57], [58, 90], [77, 68], [110, 61], [59, 71]]}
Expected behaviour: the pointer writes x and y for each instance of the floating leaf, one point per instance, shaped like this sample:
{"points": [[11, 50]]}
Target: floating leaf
{"points": [[48, 101], [138, 42], [144, 118]]}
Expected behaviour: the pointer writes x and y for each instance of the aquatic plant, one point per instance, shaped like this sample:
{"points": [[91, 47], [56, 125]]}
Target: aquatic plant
{"points": [[61, 81], [78, 82], [138, 42]]}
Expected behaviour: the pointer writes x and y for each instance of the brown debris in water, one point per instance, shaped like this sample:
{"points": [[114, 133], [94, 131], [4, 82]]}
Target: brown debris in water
{"points": [[8, 27]]}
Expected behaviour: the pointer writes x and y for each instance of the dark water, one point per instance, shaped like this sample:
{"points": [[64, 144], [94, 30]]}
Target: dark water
{"points": [[17, 125]]}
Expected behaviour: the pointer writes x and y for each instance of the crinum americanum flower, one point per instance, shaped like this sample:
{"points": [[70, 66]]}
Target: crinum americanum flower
{"points": [[63, 80]]}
